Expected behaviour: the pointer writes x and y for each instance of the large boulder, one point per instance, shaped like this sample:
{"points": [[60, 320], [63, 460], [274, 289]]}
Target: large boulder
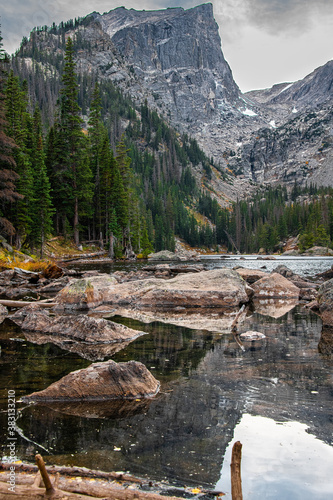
{"points": [[100, 382], [221, 288], [275, 286], [325, 301], [308, 289], [318, 251], [218, 288], [164, 255], [86, 293]]}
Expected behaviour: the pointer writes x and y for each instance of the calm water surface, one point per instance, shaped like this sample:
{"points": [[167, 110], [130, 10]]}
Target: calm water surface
{"points": [[275, 397]]}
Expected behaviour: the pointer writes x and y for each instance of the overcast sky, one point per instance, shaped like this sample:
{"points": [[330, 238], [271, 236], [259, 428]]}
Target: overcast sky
{"points": [[264, 41]]}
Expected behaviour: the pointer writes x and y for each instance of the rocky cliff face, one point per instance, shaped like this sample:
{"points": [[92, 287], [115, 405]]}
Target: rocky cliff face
{"points": [[173, 59], [298, 144]]}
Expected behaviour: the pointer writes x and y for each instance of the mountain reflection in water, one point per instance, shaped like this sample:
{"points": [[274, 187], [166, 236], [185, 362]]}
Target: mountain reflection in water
{"points": [[208, 387]]}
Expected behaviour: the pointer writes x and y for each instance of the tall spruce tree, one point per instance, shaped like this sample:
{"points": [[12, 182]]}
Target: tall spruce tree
{"points": [[42, 203], [72, 167], [19, 127], [97, 141], [8, 176]]}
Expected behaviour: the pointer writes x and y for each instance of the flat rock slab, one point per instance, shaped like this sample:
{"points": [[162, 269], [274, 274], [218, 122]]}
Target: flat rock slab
{"points": [[275, 286], [79, 328], [100, 382], [221, 288]]}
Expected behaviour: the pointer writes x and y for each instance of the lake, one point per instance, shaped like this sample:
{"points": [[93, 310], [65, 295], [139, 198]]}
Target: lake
{"points": [[275, 397]]}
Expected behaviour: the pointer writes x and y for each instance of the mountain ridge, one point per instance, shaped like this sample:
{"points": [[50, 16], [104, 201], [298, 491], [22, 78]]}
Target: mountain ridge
{"points": [[173, 59]]}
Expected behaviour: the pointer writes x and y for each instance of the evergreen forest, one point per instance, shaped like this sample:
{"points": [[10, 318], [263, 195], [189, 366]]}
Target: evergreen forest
{"points": [[79, 159]]}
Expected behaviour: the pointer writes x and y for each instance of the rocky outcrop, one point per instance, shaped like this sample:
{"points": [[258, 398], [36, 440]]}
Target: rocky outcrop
{"points": [[325, 301], [166, 255], [275, 286], [313, 251], [100, 382]]}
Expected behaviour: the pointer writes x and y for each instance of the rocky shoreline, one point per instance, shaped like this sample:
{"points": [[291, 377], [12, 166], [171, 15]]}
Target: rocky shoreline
{"points": [[81, 306]]}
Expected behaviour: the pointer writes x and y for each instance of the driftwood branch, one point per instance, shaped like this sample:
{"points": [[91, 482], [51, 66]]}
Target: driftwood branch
{"points": [[234, 325], [69, 258], [236, 481], [22, 303]]}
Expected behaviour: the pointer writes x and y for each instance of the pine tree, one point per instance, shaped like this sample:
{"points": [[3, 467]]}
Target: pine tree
{"points": [[19, 127], [42, 205], [72, 167], [97, 138], [8, 176]]}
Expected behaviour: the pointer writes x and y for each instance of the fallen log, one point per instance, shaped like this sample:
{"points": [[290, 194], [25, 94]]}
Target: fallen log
{"points": [[21, 303], [69, 258], [74, 471], [28, 486]]}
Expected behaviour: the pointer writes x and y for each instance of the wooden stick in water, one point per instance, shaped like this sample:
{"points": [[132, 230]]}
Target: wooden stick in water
{"points": [[236, 481], [47, 482]]}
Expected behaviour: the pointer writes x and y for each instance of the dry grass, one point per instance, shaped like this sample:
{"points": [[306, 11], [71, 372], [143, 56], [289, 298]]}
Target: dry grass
{"points": [[9, 262]]}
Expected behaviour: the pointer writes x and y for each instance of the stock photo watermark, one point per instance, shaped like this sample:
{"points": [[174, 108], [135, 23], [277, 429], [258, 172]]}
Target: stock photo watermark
{"points": [[11, 457]]}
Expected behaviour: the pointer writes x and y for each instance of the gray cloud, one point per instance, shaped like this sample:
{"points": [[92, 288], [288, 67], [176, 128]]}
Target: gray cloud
{"points": [[274, 16], [260, 38]]}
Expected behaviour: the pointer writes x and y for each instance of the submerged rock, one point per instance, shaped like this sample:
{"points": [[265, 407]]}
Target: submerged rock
{"points": [[79, 328], [252, 335], [325, 345], [100, 382]]}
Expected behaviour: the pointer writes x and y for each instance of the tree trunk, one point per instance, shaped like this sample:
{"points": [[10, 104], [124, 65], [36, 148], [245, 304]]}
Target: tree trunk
{"points": [[111, 249], [76, 223]]}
